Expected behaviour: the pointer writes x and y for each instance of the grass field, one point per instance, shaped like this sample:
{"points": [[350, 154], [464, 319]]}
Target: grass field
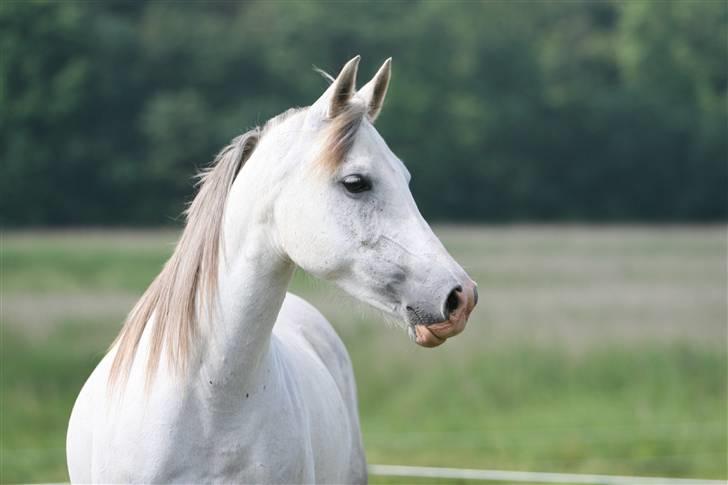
{"points": [[595, 350]]}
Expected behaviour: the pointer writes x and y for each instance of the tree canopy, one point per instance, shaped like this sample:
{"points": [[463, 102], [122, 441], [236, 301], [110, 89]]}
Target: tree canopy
{"points": [[503, 111]]}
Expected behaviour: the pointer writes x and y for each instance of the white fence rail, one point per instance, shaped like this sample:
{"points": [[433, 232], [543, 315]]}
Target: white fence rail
{"points": [[532, 477]]}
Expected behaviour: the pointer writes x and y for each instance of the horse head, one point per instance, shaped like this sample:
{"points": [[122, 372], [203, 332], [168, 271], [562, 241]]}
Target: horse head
{"points": [[346, 214]]}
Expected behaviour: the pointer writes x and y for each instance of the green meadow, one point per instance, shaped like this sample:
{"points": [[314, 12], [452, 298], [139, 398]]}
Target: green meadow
{"points": [[593, 350]]}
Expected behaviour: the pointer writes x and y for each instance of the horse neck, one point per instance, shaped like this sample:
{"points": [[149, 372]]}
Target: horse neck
{"points": [[253, 278]]}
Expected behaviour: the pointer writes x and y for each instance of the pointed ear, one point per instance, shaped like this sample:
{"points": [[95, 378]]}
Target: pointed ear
{"points": [[342, 89], [375, 90]]}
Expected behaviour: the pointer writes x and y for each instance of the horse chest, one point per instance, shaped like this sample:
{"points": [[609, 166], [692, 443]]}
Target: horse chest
{"points": [[285, 426], [279, 434]]}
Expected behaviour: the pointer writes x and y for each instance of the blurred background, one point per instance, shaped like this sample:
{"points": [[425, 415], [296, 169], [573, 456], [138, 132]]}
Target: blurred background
{"points": [[571, 155]]}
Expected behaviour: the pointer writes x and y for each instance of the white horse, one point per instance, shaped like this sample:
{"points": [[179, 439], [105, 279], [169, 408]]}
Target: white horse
{"points": [[218, 374]]}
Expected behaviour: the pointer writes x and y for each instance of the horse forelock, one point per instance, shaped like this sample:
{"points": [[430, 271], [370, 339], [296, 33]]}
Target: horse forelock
{"points": [[340, 134]]}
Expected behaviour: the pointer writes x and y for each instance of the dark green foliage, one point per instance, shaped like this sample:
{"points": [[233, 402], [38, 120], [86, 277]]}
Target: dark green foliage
{"points": [[502, 110]]}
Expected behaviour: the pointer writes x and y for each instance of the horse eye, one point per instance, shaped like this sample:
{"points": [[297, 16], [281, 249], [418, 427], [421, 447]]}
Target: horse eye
{"points": [[356, 183]]}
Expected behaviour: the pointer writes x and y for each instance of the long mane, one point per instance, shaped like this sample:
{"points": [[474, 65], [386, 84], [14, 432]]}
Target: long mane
{"points": [[190, 273]]}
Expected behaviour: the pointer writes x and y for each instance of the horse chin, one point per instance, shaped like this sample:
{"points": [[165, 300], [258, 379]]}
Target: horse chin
{"points": [[424, 337], [436, 334]]}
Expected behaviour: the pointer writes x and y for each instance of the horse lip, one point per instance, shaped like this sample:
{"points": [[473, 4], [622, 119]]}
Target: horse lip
{"points": [[425, 337], [433, 334], [428, 332]]}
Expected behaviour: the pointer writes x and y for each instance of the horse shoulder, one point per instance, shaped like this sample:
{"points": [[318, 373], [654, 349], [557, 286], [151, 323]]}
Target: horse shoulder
{"points": [[298, 319], [301, 319], [83, 422]]}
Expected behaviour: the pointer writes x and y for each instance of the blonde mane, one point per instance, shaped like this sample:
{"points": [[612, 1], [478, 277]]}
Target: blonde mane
{"points": [[190, 275]]}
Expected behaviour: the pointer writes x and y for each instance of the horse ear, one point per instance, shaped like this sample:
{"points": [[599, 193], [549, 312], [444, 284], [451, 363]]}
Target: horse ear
{"points": [[338, 95], [375, 90]]}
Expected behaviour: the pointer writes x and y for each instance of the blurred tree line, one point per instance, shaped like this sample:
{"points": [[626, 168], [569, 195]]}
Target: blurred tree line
{"points": [[569, 111]]}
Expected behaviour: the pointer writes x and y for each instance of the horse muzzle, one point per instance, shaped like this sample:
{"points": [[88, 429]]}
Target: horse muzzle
{"points": [[429, 332]]}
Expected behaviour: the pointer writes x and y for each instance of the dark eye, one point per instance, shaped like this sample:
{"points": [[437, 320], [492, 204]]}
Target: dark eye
{"points": [[356, 183]]}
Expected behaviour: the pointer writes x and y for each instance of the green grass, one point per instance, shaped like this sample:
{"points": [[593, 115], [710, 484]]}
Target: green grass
{"points": [[39, 381], [595, 351]]}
